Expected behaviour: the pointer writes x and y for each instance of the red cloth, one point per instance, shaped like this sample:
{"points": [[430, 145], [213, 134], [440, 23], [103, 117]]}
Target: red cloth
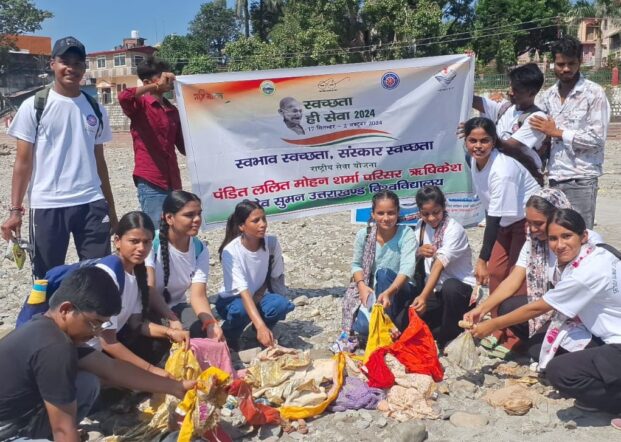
{"points": [[255, 414], [415, 349], [155, 129]]}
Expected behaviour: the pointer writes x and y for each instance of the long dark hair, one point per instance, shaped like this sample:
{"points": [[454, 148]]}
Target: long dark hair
{"points": [[131, 221], [569, 219], [238, 217], [384, 195], [174, 202], [490, 128], [541, 205]]}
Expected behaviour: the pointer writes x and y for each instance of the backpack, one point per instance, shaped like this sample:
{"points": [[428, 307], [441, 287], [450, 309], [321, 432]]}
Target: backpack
{"points": [[198, 246], [36, 304], [41, 100], [610, 249], [522, 118]]}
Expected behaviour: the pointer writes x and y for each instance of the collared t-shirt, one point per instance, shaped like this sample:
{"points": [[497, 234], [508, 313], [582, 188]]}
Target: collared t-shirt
{"points": [[508, 127], [590, 290], [584, 119], [455, 253], [38, 362], [156, 130], [503, 186], [64, 170]]}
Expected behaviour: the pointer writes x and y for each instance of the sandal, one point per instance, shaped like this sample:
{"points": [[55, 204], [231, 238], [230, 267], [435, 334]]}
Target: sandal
{"points": [[616, 423], [302, 427], [501, 352], [489, 342], [286, 426]]}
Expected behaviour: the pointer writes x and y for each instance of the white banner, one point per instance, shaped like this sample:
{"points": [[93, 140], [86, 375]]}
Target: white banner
{"points": [[323, 139]]}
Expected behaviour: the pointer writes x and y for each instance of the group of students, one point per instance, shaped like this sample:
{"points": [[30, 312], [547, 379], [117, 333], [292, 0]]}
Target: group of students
{"points": [[554, 285]]}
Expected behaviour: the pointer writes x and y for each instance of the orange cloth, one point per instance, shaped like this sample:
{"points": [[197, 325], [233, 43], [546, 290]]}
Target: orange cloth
{"points": [[415, 349]]}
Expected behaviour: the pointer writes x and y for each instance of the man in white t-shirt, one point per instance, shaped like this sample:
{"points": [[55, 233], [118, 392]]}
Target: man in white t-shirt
{"points": [[60, 161], [517, 138]]}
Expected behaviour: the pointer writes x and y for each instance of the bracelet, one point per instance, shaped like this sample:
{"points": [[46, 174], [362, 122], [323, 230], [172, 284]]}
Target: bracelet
{"points": [[19, 209]]}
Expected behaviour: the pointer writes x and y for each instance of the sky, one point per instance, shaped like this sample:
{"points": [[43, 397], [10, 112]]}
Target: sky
{"points": [[102, 25]]}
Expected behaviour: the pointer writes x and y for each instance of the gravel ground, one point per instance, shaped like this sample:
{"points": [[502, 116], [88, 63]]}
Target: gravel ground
{"points": [[317, 254]]}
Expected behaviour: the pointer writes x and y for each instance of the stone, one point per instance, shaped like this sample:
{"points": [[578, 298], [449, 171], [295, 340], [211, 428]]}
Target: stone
{"points": [[300, 301], [365, 415], [411, 431], [463, 389], [246, 356], [381, 422], [571, 425], [362, 424], [468, 420], [269, 431], [314, 313], [339, 416]]}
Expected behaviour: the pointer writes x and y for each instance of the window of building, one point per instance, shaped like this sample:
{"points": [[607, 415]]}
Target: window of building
{"points": [[101, 62], [119, 60], [592, 33], [87, 63], [138, 59]]}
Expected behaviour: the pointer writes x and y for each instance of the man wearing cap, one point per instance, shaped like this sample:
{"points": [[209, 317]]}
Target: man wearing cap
{"points": [[60, 161]]}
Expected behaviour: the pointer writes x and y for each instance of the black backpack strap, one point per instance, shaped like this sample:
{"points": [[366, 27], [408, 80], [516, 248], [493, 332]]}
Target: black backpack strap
{"points": [[503, 110], [39, 104], [527, 113], [610, 249], [93, 102]]}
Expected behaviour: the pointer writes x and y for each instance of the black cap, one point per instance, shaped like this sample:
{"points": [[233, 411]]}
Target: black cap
{"points": [[64, 44]]}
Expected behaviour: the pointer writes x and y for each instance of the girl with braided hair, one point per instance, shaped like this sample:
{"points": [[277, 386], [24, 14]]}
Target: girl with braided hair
{"points": [[179, 262], [133, 241]]}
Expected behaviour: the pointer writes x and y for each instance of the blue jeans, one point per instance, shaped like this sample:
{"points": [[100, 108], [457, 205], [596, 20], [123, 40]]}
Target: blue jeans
{"points": [[151, 199], [399, 303], [582, 194], [273, 308]]}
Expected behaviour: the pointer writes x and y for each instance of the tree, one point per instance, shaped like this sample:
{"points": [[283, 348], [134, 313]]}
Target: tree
{"points": [[200, 64], [601, 12], [18, 17], [213, 27], [264, 14], [506, 28], [178, 50]]}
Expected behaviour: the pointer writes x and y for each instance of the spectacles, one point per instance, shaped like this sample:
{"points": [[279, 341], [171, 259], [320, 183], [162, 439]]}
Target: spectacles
{"points": [[96, 328]]}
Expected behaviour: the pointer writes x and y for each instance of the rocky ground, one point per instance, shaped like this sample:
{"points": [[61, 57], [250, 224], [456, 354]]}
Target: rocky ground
{"points": [[317, 255]]}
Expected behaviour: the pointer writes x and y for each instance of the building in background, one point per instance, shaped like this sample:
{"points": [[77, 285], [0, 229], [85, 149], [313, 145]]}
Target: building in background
{"points": [[109, 72]]}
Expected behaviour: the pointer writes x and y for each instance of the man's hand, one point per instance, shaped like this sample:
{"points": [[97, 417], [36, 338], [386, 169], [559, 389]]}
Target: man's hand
{"points": [[214, 331], [12, 227], [483, 329], [481, 273], [183, 387], [474, 315], [180, 336], [461, 131], [427, 251], [114, 220], [546, 126], [166, 82], [384, 299], [159, 371], [264, 336]]}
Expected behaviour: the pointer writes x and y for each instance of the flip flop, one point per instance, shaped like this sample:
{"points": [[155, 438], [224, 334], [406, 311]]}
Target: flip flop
{"points": [[302, 427], [616, 423], [489, 342], [501, 352]]}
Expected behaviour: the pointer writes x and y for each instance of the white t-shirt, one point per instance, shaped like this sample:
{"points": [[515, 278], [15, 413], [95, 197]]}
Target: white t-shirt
{"points": [[64, 170], [508, 127], [131, 304], [503, 186], [455, 253], [246, 270], [524, 258], [185, 269], [592, 292]]}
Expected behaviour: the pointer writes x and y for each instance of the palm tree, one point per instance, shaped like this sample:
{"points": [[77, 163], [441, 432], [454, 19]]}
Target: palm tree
{"points": [[242, 10], [602, 12]]}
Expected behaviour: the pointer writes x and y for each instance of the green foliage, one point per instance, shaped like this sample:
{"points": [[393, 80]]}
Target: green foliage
{"points": [[213, 27], [178, 50], [201, 64]]}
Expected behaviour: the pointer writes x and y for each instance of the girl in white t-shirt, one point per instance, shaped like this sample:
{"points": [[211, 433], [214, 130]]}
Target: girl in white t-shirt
{"points": [[131, 328], [589, 291], [503, 186], [247, 269], [179, 262], [535, 265], [447, 260]]}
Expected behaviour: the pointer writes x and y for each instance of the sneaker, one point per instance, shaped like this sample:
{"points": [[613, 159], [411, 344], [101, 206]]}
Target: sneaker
{"points": [[581, 406]]}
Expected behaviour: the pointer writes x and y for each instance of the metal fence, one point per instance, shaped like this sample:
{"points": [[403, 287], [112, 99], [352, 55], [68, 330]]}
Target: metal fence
{"points": [[501, 81]]}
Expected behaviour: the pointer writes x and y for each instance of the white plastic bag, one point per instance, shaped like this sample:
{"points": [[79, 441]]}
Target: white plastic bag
{"points": [[462, 352]]}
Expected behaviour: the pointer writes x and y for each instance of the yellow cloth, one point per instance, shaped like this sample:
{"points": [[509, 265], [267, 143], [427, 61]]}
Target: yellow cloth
{"points": [[379, 331], [200, 405], [182, 364]]}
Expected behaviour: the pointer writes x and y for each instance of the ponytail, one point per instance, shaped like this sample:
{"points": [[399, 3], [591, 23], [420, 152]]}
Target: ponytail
{"points": [[165, 256]]}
